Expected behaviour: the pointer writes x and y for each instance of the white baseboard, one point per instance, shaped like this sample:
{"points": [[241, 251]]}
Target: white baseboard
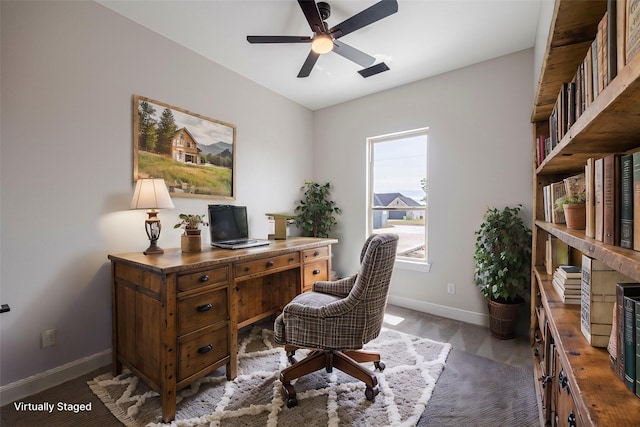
{"points": [[53, 377], [479, 319]]}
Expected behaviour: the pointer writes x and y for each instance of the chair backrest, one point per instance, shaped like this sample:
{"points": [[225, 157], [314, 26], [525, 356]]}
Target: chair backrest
{"points": [[372, 283]]}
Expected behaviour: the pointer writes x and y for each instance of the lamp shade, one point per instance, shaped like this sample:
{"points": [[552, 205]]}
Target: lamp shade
{"points": [[151, 193]]}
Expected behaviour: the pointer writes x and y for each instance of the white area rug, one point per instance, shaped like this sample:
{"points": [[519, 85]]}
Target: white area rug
{"points": [[254, 398]]}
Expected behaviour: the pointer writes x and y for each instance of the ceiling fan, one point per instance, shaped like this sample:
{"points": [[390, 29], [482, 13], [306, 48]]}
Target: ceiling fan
{"points": [[325, 39]]}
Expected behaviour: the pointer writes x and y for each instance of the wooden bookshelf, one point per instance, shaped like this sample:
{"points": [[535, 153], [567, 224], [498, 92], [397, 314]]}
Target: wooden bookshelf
{"points": [[588, 392]]}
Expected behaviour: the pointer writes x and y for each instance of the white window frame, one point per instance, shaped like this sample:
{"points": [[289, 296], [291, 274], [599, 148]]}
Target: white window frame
{"points": [[405, 263]]}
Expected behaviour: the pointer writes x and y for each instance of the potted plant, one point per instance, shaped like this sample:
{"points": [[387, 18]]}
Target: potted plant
{"points": [[191, 240], [503, 267], [315, 212], [574, 208]]}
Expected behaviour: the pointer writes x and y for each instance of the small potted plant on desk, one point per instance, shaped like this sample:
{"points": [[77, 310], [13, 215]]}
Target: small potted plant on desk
{"points": [[191, 240], [503, 267], [574, 208]]}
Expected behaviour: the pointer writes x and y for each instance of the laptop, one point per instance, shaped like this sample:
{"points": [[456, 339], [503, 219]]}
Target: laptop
{"points": [[229, 228]]}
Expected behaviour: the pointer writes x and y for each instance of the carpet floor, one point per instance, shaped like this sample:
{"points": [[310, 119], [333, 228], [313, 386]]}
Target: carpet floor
{"points": [[476, 391], [254, 398]]}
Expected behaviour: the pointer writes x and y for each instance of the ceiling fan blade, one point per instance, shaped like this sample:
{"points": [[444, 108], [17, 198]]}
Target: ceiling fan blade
{"points": [[374, 13], [353, 54], [278, 39], [311, 12], [308, 64]]}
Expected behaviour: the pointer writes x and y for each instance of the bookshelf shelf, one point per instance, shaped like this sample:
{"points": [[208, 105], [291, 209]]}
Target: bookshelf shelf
{"points": [[588, 367], [626, 261], [593, 394], [610, 124]]}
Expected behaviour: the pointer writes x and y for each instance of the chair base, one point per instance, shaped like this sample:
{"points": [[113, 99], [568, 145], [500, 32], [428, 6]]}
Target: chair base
{"points": [[346, 361]]}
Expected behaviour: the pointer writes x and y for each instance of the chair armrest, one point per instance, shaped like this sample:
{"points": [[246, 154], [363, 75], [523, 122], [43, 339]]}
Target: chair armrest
{"points": [[339, 288]]}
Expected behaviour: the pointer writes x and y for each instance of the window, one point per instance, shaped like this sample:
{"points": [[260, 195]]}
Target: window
{"points": [[398, 192]]}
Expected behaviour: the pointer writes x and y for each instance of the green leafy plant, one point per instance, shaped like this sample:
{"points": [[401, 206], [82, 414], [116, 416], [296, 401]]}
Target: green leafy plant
{"points": [[191, 222], [315, 213], [570, 199], [503, 255]]}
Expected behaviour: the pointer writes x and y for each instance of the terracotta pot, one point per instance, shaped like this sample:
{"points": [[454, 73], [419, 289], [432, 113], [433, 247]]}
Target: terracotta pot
{"points": [[575, 215], [191, 243]]}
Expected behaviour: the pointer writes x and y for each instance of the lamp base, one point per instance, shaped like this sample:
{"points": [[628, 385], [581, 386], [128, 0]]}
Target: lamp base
{"points": [[153, 249]]}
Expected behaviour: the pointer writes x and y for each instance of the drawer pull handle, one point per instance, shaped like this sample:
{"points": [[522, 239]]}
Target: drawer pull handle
{"points": [[206, 349], [316, 253], [564, 380], [204, 307], [204, 278], [316, 271], [269, 263], [246, 269], [292, 259]]}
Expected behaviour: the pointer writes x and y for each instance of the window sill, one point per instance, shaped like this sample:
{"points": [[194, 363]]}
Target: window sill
{"points": [[402, 264]]}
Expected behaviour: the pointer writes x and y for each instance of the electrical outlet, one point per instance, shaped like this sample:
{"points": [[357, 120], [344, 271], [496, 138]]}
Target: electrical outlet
{"points": [[48, 338], [451, 288]]}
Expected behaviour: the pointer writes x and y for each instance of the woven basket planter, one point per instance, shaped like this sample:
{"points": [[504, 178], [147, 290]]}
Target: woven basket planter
{"points": [[503, 319]]}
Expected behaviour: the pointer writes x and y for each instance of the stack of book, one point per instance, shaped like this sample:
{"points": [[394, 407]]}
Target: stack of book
{"points": [[567, 283]]}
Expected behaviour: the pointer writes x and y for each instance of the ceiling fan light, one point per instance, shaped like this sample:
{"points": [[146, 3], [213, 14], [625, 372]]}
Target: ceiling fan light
{"points": [[322, 44]]}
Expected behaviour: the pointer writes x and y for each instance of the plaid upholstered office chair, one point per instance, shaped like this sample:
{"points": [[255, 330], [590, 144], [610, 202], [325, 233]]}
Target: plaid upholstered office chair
{"points": [[337, 318]]}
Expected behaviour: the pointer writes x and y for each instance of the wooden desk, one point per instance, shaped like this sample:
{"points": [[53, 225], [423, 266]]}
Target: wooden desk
{"points": [[176, 315]]}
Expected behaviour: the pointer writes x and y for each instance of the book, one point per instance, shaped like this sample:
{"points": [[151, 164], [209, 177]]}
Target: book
{"points": [[588, 77], [611, 199], [558, 190], [557, 253], [637, 347], [612, 36], [598, 296], [630, 343], [546, 202], [575, 184], [602, 52], [594, 68], [622, 289], [541, 151], [598, 199], [632, 29], [590, 206], [636, 200], [626, 201], [569, 271]]}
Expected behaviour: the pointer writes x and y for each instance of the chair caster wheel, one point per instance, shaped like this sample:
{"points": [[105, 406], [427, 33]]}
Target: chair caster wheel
{"points": [[371, 392], [379, 366], [289, 394]]}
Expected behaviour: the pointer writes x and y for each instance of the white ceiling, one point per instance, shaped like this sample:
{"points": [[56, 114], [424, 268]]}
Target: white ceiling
{"points": [[424, 38]]}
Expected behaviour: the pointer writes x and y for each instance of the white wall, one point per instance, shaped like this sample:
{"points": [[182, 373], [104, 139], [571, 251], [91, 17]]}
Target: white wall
{"points": [[69, 70], [542, 36], [479, 156]]}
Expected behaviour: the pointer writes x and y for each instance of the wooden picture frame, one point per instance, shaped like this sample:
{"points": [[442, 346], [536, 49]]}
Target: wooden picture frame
{"points": [[194, 154]]}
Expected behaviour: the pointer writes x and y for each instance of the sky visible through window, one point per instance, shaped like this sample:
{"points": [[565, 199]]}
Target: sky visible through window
{"points": [[400, 165]]}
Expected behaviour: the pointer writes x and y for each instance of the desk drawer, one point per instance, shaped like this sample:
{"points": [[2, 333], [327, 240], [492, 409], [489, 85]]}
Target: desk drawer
{"points": [[198, 351], [266, 264], [313, 272], [203, 278], [201, 310], [311, 254]]}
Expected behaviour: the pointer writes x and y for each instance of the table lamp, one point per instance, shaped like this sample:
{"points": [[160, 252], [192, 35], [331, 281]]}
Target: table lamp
{"points": [[152, 194]]}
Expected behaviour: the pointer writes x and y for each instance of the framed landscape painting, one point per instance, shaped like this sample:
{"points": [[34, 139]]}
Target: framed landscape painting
{"points": [[194, 154]]}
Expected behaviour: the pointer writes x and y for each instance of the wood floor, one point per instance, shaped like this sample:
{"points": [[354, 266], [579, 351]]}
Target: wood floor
{"points": [[463, 336]]}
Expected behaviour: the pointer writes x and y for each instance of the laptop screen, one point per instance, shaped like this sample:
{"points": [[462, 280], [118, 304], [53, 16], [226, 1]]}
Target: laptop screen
{"points": [[228, 222]]}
